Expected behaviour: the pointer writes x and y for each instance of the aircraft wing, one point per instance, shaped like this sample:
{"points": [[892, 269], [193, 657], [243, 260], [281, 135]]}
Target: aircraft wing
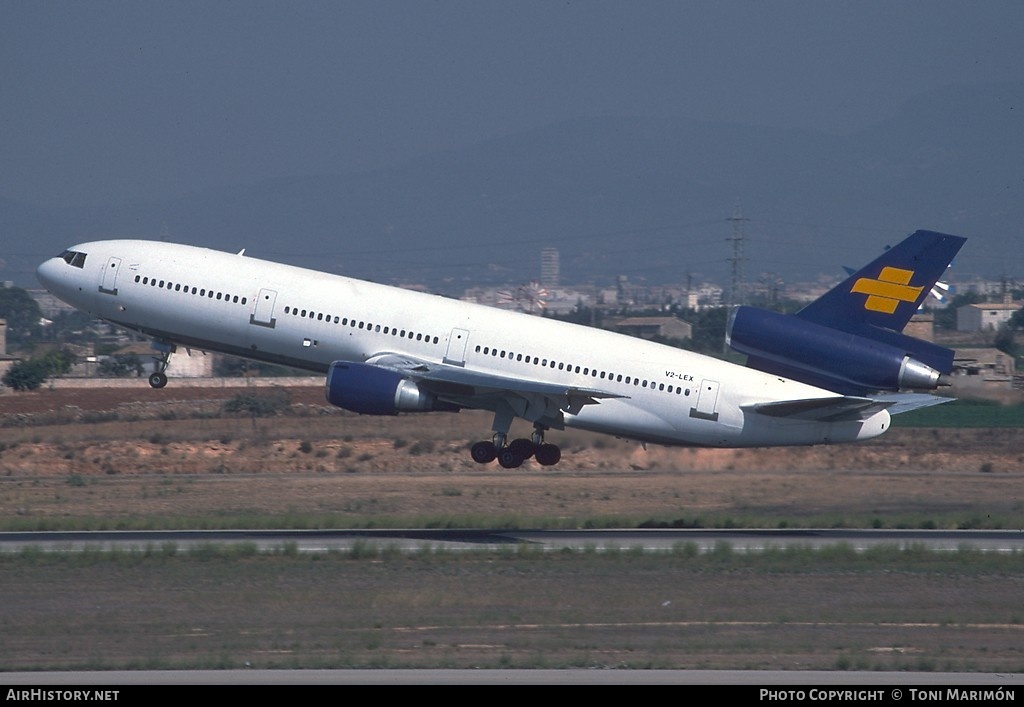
{"points": [[462, 386]]}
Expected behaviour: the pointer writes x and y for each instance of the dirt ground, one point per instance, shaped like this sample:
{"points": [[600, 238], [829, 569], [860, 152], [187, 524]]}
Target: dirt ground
{"points": [[142, 458], [120, 453]]}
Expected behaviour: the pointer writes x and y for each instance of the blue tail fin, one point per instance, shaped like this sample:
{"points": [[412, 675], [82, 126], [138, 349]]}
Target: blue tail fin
{"points": [[850, 340], [887, 292]]}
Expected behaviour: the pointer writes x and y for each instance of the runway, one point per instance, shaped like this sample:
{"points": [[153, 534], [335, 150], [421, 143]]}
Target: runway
{"points": [[412, 540]]}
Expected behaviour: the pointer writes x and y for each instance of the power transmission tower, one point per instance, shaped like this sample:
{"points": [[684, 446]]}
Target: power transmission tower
{"points": [[736, 261]]}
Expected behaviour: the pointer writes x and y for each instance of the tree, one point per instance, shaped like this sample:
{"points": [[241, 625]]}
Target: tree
{"points": [[121, 365], [709, 330], [1004, 340], [26, 375], [1016, 322], [30, 374], [22, 314]]}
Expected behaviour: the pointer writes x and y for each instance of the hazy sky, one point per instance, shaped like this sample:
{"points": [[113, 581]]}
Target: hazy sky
{"points": [[108, 101]]}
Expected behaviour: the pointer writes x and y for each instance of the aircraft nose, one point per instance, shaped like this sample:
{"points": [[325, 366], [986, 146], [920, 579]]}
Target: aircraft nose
{"points": [[47, 272], [60, 279]]}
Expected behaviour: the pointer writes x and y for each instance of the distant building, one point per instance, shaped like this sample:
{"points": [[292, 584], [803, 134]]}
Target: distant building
{"points": [[49, 305], [921, 326], [182, 364], [549, 268], [984, 365], [197, 364], [651, 327], [985, 316], [6, 361]]}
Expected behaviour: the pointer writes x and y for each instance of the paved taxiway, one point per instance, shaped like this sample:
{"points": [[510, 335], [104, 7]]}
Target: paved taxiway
{"points": [[470, 539], [123, 678], [477, 539]]}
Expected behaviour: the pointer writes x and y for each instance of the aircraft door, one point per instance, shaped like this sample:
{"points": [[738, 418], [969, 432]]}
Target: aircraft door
{"points": [[108, 280], [263, 312], [456, 353], [707, 401]]}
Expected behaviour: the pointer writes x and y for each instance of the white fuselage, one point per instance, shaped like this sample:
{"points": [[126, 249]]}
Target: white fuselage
{"points": [[278, 313]]}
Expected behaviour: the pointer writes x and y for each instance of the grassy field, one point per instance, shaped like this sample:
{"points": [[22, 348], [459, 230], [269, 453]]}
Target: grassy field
{"points": [[187, 464]]}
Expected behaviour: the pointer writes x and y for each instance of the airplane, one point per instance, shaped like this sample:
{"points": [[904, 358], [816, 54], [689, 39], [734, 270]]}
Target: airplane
{"points": [[833, 372]]}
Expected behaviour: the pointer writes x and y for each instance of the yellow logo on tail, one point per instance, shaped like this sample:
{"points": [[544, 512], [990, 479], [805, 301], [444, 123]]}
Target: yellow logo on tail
{"points": [[886, 293]]}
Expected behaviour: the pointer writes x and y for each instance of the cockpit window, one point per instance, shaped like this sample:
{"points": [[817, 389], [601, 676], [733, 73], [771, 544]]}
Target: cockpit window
{"points": [[73, 258]]}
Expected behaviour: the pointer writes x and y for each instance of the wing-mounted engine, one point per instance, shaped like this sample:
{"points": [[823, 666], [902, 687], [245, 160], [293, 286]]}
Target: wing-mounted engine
{"points": [[869, 360], [372, 390]]}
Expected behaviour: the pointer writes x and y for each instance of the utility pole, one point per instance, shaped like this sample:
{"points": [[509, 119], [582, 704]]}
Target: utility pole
{"points": [[736, 260]]}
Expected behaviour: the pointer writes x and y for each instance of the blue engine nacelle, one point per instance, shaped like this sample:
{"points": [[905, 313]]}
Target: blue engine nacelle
{"points": [[371, 390], [845, 362]]}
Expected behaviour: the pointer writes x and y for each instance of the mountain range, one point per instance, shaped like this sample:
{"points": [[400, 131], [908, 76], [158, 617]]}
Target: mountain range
{"points": [[659, 200]]}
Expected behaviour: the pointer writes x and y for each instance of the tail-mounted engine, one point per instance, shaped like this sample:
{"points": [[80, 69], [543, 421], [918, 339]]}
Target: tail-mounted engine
{"points": [[371, 390], [872, 359]]}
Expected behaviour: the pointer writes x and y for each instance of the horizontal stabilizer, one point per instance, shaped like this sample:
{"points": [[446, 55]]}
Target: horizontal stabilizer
{"points": [[845, 408], [839, 409], [905, 402]]}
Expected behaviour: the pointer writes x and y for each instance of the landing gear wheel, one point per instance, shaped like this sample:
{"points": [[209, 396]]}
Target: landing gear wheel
{"points": [[483, 452], [523, 448], [158, 380], [548, 454], [509, 459]]}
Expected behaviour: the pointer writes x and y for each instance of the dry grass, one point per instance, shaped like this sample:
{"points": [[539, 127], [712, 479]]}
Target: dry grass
{"points": [[321, 465], [164, 608]]}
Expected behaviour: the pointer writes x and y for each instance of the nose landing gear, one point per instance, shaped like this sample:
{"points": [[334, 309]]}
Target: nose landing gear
{"points": [[158, 379]]}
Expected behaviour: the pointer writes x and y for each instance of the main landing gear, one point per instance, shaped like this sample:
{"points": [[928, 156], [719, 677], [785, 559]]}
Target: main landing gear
{"points": [[513, 454]]}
